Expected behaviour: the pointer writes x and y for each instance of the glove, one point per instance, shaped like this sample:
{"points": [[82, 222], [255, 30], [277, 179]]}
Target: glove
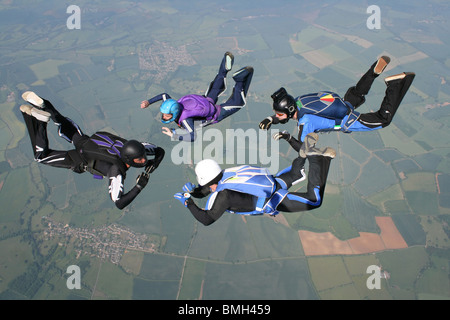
{"points": [[189, 187], [150, 166], [266, 123], [182, 197], [142, 180], [282, 135]]}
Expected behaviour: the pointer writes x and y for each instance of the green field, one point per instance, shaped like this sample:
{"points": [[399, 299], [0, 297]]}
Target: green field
{"points": [[129, 51]]}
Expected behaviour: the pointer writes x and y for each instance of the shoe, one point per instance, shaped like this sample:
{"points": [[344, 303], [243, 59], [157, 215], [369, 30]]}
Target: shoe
{"points": [[25, 108], [381, 64], [39, 114], [327, 152], [242, 74], [229, 60], [399, 76], [309, 143], [33, 98]]}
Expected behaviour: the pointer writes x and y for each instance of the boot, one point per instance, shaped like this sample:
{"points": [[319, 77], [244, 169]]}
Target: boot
{"points": [[39, 114], [309, 143]]}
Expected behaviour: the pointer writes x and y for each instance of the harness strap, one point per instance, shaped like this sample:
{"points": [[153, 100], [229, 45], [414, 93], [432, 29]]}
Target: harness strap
{"points": [[271, 205], [351, 119]]}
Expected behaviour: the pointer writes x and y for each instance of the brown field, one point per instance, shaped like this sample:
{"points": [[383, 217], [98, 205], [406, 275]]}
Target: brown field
{"points": [[318, 58], [327, 244]]}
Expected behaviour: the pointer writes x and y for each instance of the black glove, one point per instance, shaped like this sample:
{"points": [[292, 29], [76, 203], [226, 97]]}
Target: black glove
{"points": [[267, 122], [150, 166], [282, 135], [79, 168], [142, 180]]}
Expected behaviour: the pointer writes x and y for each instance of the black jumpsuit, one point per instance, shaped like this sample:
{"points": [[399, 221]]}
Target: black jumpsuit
{"points": [[76, 160]]}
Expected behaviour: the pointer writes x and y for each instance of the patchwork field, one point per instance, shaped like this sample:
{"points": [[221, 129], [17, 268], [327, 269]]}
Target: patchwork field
{"points": [[327, 244], [387, 196]]}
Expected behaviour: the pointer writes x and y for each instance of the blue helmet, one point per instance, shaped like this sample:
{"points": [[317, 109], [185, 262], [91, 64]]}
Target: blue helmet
{"points": [[170, 106]]}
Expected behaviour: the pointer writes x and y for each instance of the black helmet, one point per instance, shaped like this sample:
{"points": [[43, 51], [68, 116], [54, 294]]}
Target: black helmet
{"points": [[131, 150], [284, 103]]}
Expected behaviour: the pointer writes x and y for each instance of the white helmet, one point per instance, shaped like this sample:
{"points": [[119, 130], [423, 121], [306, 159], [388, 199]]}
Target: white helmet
{"points": [[207, 170]]}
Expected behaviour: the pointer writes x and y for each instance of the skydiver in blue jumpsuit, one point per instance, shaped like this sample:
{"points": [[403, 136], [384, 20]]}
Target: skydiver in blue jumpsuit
{"points": [[326, 111], [253, 191]]}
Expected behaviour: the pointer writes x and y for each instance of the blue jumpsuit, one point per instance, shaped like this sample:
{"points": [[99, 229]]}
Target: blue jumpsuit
{"points": [[327, 111]]}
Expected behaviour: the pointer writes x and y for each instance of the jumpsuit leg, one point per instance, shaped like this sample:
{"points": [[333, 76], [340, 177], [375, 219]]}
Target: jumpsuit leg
{"points": [[311, 199], [356, 95], [395, 91], [37, 131], [293, 174], [219, 84], [296, 172], [237, 100], [67, 129]]}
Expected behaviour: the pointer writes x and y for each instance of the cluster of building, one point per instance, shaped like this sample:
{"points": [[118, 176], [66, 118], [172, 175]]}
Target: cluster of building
{"points": [[161, 59], [106, 242]]}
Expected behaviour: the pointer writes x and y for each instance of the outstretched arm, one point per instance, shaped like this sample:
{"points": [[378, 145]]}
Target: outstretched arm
{"points": [[295, 144], [206, 217], [120, 198], [187, 132], [157, 152], [159, 97], [200, 192], [267, 122], [218, 203], [211, 215]]}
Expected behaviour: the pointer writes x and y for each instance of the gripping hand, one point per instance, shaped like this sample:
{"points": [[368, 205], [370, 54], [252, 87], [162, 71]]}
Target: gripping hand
{"points": [[189, 187], [142, 180], [266, 123], [182, 197], [282, 135], [150, 167]]}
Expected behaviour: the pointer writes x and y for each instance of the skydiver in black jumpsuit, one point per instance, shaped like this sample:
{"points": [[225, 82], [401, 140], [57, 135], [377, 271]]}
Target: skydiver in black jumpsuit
{"points": [[102, 154]]}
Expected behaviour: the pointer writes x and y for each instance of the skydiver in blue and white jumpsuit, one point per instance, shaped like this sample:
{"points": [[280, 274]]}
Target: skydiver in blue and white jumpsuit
{"points": [[251, 190]]}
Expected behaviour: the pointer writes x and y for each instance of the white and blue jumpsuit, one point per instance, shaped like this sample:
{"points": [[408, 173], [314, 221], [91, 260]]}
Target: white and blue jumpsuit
{"points": [[253, 191]]}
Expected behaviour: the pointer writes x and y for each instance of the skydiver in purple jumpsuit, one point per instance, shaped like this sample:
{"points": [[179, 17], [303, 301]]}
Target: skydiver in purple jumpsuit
{"points": [[193, 111]]}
